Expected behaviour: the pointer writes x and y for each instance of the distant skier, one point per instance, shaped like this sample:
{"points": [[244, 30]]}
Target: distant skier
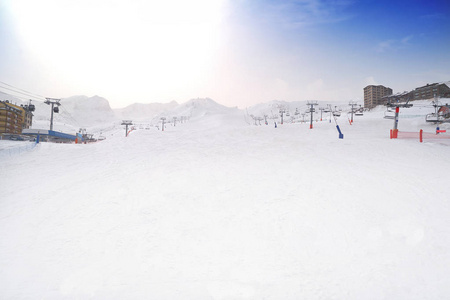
{"points": [[275, 124]]}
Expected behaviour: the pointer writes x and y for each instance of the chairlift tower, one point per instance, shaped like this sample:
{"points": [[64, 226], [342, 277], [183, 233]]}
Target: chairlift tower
{"points": [[126, 123], [282, 111], [53, 102], [259, 120], [312, 110], [330, 110], [321, 111], [397, 111], [352, 104], [174, 121], [162, 120]]}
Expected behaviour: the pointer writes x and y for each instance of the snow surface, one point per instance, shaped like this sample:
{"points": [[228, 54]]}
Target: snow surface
{"points": [[217, 209]]}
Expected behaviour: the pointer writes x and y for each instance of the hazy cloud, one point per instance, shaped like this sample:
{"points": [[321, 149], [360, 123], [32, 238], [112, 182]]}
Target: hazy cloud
{"points": [[299, 13], [385, 45], [393, 44]]}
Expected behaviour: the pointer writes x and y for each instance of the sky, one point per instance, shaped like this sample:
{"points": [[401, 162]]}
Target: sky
{"points": [[236, 52]]}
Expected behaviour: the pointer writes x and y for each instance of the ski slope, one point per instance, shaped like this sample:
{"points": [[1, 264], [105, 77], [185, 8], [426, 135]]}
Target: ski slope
{"points": [[217, 209]]}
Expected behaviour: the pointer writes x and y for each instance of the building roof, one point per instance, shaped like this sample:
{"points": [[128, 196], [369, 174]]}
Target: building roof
{"points": [[447, 83]]}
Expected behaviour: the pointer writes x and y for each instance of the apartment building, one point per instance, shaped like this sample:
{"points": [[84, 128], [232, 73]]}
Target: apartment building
{"points": [[373, 95], [428, 91], [12, 118]]}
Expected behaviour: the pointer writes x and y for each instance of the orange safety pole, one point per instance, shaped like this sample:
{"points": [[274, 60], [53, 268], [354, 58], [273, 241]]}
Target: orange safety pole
{"points": [[421, 135], [394, 133]]}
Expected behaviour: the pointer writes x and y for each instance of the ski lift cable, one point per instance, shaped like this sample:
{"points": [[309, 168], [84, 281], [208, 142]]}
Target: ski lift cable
{"points": [[19, 97], [21, 91], [70, 116], [14, 91]]}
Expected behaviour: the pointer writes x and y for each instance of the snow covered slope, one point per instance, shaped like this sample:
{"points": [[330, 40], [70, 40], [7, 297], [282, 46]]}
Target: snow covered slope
{"points": [[216, 209]]}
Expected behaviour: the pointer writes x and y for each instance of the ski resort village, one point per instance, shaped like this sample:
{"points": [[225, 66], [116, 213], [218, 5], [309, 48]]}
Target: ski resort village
{"points": [[197, 200]]}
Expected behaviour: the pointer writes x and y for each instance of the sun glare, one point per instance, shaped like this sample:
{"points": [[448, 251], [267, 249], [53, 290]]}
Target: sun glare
{"points": [[167, 44]]}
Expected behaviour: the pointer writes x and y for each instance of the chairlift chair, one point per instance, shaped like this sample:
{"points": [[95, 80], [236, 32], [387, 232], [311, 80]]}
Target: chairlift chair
{"points": [[389, 114], [433, 118]]}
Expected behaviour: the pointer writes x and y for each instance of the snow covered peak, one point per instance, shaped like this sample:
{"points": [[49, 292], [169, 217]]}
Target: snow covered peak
{"points": [[199, 107], [87, 103], [147, 111]]}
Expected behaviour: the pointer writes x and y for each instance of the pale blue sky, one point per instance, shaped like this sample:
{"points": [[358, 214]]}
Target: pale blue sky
{"points": [[237, 52]]}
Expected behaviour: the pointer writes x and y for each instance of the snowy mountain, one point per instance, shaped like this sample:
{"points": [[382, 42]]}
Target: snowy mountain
{"points": [[87, 110], [206, 111], [144, 112], [200, 107]]}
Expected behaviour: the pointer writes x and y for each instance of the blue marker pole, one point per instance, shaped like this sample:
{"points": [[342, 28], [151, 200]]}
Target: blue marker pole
{"points": [[341, 136]]}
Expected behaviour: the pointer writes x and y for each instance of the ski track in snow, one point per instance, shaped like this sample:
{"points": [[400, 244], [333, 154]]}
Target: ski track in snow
{"points": [[213, 209]]}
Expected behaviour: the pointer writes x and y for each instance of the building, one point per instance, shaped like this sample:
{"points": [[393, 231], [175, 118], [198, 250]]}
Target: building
{"points": [[12, 118], [429, 91], [373, 95], [28, 117]]}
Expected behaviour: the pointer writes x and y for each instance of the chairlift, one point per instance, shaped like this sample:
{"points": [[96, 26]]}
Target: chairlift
{"points": [[337, 112], [56, 109], [359, 112], [441, 115], [439, 118], [389, 114]]}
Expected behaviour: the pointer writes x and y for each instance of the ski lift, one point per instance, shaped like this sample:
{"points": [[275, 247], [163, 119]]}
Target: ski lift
{"points": [[337, 112], [30, 107], [359, 112], [56, 109], [441, 114], [434, 118]]}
